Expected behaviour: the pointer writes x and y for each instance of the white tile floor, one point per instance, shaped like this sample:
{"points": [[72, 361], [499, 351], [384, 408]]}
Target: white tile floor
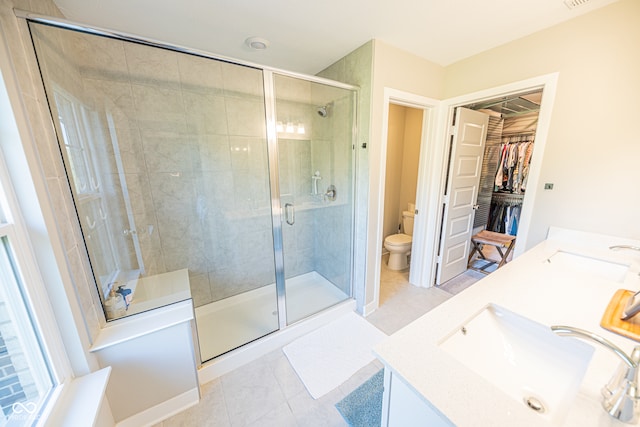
{"points": [[268, 392]]}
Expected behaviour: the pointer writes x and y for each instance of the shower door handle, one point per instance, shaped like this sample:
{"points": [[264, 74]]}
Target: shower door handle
{"points": [[290, 213]]}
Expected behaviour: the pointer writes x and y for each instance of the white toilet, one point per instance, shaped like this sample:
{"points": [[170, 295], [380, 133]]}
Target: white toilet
{"points": [[399, 245]]}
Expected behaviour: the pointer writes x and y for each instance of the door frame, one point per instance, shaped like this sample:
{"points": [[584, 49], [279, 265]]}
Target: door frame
{"points": [[430, 119], [548, 84], [432, 176]]}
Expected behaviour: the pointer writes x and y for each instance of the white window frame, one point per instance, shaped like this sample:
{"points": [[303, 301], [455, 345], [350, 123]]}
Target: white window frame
{"points": [[32, 309], [32, 284]]}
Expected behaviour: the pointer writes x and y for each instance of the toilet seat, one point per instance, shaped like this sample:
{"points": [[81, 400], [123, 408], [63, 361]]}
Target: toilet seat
{"points": [[399, 247], [398, 240]]}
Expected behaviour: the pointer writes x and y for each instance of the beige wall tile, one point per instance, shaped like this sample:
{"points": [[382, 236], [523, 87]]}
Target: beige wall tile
{"points": [[153, 66], [241, 81], [200, 75]]}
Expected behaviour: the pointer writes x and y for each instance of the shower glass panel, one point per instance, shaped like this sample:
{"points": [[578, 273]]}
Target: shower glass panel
{"points": [[314, 125], [166, 158]]}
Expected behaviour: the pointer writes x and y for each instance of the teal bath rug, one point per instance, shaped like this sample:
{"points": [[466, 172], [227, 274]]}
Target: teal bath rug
{"points": [[363, 406]]}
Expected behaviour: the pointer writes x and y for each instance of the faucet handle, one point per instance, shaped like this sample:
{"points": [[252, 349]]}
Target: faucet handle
{"points": [[618, 378], [622, 399]]}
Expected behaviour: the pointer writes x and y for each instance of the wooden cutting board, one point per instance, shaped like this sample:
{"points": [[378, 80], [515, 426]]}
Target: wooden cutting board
{"points": [[611, 319]]}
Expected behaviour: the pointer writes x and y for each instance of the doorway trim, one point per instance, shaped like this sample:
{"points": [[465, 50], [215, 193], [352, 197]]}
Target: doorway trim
{"points": [[432, 175], [429, 107], [548, 84]]}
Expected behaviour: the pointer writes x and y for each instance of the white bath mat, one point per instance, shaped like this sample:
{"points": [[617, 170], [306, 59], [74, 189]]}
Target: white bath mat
{"points": [[328, 356]]}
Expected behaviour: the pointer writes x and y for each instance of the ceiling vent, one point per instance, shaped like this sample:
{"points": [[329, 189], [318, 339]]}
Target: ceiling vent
{"points": [[572, 4]]}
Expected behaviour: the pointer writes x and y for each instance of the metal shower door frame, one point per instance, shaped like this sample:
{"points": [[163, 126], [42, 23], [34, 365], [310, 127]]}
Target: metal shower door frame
{"points": [[274, 177], [272, 142], [276, 207]]}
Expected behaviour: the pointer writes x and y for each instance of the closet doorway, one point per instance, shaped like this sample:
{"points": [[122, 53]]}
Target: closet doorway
{"points": [[509, 146]]}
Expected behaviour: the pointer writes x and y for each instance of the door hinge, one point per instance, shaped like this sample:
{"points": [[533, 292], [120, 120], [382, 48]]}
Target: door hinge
{"points": [[445, 199], [452, 130]]}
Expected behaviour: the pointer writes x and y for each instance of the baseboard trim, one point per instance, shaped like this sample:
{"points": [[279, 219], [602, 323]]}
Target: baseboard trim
{"points": [[369, 308], [162, 411]]}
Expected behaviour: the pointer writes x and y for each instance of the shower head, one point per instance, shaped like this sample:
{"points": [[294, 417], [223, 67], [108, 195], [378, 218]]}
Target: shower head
{"points": [[324, 110]]}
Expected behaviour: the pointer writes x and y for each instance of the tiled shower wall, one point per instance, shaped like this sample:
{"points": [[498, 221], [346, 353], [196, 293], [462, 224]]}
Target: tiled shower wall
{"points": [[357, 69], [185, 137], [192, 153], [321, 239]]}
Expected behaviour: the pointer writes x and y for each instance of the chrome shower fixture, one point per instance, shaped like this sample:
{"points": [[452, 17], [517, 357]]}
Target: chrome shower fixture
{"points": [[323, 111]]}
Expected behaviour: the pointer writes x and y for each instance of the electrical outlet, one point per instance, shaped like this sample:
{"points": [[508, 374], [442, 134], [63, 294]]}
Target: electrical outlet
{"points": [[548, 186]]}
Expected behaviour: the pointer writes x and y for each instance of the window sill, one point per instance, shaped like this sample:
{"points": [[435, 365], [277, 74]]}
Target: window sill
{"points": [[80, 401]]}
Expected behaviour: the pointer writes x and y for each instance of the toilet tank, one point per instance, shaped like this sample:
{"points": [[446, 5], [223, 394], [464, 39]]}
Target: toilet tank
{"points": [[407, 222]]}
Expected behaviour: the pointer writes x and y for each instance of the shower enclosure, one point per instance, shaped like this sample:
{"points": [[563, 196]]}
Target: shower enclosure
{"points": [[236, 177]]}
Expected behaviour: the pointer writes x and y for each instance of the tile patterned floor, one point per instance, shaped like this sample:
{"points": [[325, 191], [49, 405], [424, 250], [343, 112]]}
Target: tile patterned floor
{"points": [[268, 392]]}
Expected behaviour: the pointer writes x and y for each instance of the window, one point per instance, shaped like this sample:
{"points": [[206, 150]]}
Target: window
{"points": [[26, 380], [98, 180]]}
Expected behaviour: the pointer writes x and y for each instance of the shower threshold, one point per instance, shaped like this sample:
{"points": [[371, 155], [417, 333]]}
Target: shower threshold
{"points": [[232, 322]]}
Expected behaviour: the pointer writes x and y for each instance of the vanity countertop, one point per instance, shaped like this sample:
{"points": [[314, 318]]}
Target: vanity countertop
{"points": [[531, 286]]}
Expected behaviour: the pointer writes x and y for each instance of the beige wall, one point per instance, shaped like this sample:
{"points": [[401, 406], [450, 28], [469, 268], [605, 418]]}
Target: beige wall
{"points": [[393, 174], [400, 70], [403, 154], [410, 157], [593, 149]]}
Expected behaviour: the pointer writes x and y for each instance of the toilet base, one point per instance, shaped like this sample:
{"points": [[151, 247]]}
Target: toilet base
{"points": [[397, 261]]}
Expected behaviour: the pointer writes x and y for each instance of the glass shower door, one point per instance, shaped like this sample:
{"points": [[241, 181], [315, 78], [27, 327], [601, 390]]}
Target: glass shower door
{"points": [[180, 194], [175, 144], [314, 125]]}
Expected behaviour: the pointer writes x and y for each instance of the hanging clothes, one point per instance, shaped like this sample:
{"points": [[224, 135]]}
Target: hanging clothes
{"points": [[504, 214], [500, 172], [513, 166], [527, 163], [510, 184]]}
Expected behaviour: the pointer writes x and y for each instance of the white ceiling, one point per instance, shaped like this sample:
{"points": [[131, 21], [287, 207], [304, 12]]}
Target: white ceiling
{"points": [[307, 36]]}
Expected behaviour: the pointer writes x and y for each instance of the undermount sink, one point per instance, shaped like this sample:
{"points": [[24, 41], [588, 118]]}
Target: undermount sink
{"points": [[523, 358], [590, 266]]}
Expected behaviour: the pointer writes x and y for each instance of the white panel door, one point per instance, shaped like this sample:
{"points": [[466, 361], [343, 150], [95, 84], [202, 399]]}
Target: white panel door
{"points": [[465, 164]]}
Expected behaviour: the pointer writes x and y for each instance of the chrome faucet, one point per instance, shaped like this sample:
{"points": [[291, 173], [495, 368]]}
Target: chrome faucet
{"points": [[621, 396]]}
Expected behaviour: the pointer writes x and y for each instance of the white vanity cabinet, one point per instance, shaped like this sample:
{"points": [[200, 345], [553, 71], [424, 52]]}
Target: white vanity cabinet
{"points": [[402, 407]]}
